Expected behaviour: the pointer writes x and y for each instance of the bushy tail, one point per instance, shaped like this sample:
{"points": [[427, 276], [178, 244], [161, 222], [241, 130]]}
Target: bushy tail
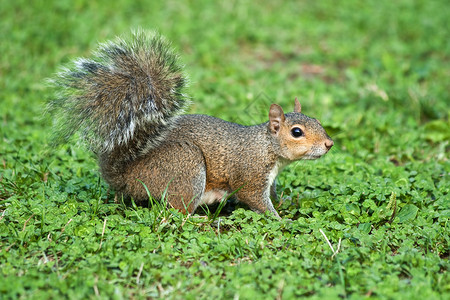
{"points": [[126, 95]]}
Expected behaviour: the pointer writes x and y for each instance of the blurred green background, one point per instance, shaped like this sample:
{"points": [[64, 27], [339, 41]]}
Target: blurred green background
{"points": [[376, 73]]}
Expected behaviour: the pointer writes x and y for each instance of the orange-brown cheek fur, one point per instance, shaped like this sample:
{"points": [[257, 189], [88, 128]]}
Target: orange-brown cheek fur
{"points": [[296, 152], [294, 148]]}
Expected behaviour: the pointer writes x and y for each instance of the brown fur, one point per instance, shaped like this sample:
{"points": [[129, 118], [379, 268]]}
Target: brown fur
{"points": [[203, 154], [125, 103]]}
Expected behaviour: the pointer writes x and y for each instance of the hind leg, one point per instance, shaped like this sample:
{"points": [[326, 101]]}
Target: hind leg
{"points": [[175, 170]]}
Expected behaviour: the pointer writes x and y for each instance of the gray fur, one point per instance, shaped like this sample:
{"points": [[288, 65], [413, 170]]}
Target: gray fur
{"points": [[125, 102], [130, 88]]}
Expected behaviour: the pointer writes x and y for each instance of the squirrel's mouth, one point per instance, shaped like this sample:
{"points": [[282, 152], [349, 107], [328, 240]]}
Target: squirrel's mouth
{"points": [[311, 156], [315, 154]]}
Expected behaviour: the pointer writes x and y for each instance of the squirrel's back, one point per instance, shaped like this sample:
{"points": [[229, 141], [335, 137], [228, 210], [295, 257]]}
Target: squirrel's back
{"points": [[122, 98]]}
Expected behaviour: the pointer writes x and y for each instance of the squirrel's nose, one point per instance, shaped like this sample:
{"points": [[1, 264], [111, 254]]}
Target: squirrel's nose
{"points": [[329, 144]]}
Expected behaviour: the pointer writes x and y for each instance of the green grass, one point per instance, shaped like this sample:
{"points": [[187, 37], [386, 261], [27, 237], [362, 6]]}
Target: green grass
{"points": [[375, 73]]}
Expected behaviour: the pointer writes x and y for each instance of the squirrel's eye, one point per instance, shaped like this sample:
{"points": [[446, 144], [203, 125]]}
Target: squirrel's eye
{"points": [[296, 132]]}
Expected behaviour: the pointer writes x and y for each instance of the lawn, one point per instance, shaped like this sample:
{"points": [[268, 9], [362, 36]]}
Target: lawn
{"points": [[368, 220]]}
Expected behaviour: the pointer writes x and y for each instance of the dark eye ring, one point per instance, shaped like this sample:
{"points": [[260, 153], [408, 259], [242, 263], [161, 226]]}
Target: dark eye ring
{"points": [[296, 132]]}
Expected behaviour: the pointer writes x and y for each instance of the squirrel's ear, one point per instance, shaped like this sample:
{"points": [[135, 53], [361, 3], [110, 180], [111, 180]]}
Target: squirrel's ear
{"points": [[298, 106], [276, 118]]}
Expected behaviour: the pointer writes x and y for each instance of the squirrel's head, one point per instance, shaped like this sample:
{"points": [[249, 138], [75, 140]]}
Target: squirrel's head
{"points": [[298, 136]]}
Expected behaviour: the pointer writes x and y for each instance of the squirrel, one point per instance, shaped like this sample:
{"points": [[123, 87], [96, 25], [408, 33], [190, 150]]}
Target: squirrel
{"points": [[127, 104]]}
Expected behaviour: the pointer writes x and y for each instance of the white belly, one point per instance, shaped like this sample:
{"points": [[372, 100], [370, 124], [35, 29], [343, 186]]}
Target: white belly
{"points": [[212, 197]]}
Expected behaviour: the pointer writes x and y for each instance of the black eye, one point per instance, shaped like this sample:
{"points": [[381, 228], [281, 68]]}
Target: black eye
{"points": [[296, 132]]}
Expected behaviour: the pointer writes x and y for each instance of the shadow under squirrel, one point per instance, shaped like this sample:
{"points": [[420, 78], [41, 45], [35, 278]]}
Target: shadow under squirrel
{"points": [[126, 103]]}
